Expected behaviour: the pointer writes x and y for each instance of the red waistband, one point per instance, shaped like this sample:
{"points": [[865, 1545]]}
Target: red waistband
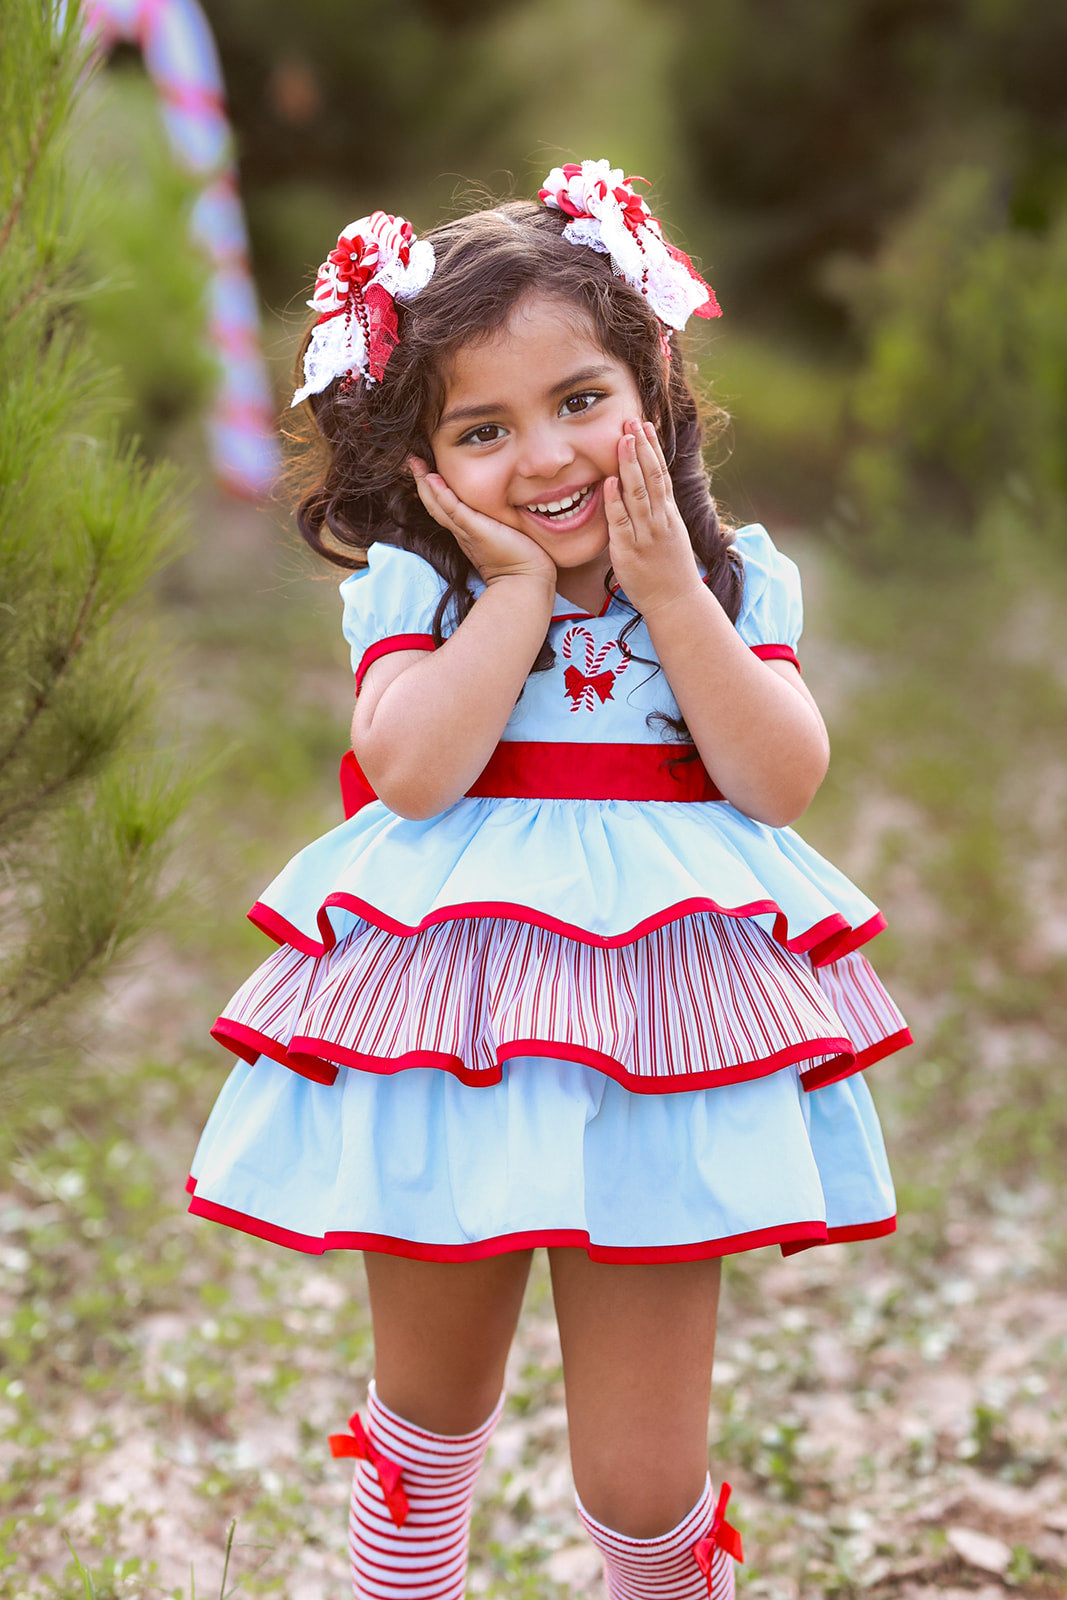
{"points": [[595, 772], [528, 770]]}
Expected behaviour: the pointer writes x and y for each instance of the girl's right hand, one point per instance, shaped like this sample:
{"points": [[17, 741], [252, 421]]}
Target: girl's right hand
{"points": [[495, 550]]}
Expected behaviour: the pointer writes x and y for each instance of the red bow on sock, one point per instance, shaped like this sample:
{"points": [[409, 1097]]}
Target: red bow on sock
{"points": [[357, 1444], [720, 1536]]}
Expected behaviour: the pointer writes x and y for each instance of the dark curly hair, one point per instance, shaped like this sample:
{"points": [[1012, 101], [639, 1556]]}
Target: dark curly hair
{"points": [[361, 490]]}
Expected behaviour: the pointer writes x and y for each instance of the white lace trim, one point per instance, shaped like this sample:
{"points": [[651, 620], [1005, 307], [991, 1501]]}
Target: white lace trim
{"points": [[641, 256]]}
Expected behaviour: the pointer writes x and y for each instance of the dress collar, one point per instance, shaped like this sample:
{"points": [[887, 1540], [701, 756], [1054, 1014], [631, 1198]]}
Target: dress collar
{"points": [[567, 611]]}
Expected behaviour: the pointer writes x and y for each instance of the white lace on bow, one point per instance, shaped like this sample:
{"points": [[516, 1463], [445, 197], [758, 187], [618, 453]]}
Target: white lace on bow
{"points": [[377, 261], [610, 217]]}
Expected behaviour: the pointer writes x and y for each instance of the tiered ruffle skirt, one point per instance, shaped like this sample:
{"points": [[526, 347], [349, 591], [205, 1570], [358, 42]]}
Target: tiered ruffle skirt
{"points": [[633, 1027]]}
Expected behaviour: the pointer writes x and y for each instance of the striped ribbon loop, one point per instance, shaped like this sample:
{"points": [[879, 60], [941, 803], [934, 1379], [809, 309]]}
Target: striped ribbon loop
{"points": [[359, 1445], [720, 1536]]}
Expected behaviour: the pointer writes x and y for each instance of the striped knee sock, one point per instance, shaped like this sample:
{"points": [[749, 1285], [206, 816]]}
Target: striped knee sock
{"points": [[409, 1524], [690, 1562]]}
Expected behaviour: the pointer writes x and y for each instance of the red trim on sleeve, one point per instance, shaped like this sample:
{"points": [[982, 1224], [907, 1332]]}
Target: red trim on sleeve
{"points": [[385, 647], [776, 652]]}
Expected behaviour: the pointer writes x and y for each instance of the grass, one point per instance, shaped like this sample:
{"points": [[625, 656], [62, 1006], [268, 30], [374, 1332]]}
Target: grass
{"points": [[166, 1387]]}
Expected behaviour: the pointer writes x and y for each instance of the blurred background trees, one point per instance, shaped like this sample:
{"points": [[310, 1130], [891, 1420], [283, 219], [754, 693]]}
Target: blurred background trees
{"points": [[84, 805], [877, 188]]}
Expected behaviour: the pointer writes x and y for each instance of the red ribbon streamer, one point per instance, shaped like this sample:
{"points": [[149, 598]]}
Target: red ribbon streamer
{"points": [[720, 1536], [357, 1444]]}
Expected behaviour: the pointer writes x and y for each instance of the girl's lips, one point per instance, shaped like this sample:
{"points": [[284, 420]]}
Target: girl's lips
{"points": [[582, 513]]}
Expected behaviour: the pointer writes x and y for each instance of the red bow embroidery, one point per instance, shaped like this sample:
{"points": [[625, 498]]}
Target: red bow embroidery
{"points": [[720, 1536], [357, 1444], [576, 681]]}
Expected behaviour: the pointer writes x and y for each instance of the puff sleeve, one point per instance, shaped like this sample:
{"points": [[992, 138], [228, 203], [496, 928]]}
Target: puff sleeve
{"points": [[772, 610], [389, 605]]}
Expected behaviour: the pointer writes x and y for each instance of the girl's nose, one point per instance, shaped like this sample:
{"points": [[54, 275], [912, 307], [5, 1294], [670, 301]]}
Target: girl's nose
{"points": [[543, 452]]}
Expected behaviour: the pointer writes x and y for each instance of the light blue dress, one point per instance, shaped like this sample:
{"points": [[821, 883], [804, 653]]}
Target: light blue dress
{"points": [[589, 1004]]}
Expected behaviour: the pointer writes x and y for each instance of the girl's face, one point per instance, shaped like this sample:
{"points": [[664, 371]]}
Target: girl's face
{"points": [[530, 429]]}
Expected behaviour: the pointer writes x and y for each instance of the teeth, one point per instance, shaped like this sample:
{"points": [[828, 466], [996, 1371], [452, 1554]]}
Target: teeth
{"points": [[552, 508]]}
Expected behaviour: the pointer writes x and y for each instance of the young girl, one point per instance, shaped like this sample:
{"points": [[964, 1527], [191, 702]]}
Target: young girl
{"points": [[565, 977]]}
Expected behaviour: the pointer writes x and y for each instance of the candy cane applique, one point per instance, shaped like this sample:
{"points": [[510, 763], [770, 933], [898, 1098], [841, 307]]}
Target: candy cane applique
{"points": [[590, 686]]}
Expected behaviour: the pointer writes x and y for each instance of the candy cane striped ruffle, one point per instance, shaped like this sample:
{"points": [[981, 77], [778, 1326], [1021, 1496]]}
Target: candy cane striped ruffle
{"points": [[704, 999]]}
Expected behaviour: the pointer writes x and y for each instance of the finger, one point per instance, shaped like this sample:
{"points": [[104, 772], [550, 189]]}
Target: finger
{"points": [[653, 466], [460, 515], [620, 527], [632, 483], [467, 526], [435, 495], [651, 434]]}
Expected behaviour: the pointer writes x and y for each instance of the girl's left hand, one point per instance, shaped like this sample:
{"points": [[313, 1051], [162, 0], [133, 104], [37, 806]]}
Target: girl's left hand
{"points": [[651, 555]]}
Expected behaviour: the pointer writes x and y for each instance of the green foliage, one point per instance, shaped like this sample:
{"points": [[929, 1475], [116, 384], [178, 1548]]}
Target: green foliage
{"points": [[83, 525], [406, 103], [787, 441], [810, 124], [946, 800], [147, 311], [958, 409]]}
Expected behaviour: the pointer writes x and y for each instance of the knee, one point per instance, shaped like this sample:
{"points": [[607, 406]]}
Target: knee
{"points": [[453, 1408], [638, 1501]]}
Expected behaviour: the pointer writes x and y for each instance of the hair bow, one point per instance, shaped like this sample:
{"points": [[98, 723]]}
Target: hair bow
{"points": [[608, 215], [377, 261]]}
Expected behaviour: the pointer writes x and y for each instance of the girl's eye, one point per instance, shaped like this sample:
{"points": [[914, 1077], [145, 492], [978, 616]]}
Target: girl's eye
{"points": [[575, 404], [484, 433]]}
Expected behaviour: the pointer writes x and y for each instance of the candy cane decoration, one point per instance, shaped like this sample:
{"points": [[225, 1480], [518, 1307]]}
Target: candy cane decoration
{"points": [[590, 687], [180, 57]]}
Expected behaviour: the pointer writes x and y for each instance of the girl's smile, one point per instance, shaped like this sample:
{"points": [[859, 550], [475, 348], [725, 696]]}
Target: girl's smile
{"points": [[530, 429]]}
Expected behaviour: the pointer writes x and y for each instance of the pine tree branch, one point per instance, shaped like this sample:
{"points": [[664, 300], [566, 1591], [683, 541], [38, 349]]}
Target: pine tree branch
{"points": [[29, 171], [37, 288], [35, 801], [47, 690], [100, 950]]}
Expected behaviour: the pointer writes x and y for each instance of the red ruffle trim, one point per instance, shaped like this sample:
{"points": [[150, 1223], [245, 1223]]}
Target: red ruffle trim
{"points": [[790, 1237], [825, 941], [249, 1044]]}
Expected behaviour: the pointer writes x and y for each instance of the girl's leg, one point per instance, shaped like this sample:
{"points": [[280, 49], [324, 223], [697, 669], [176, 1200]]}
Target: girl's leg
{"points": [[638, 1344], [442, 1334]]}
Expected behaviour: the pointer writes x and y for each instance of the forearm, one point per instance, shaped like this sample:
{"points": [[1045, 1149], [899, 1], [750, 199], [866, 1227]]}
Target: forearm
{"points": [[759, 735], [424, 737]]}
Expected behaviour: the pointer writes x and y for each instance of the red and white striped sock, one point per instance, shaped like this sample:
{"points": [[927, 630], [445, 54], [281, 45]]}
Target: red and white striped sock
{"points": [[426, 1557], [665, 1568]]}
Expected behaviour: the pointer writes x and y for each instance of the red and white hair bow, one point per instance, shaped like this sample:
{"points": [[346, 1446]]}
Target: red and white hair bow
{"points": [[377, 261], [609, 216]]}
